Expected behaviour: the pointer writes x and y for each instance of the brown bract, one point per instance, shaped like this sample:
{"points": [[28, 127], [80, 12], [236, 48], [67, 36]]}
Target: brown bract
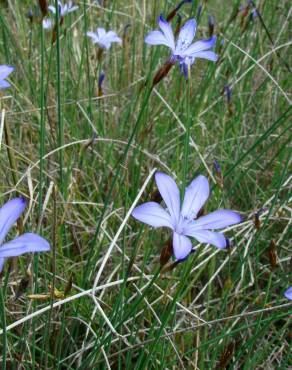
{"points": [[44, 7], [162, 72]]}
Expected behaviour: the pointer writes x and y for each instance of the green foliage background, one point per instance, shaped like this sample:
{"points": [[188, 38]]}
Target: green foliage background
{"points": [[81, 159]]}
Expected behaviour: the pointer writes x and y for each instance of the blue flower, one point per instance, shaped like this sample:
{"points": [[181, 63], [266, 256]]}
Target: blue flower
{"points": [[183, 51], [25, 243], [4, 73], [47, 24], [104, 39], [182, 219], [63, 9]]}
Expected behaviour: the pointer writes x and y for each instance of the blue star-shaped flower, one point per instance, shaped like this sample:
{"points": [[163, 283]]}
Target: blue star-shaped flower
{"points": [[183, 51]]}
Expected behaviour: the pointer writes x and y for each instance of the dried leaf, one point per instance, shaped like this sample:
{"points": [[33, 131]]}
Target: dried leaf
{"points": [[166, 253], [273, 255]]}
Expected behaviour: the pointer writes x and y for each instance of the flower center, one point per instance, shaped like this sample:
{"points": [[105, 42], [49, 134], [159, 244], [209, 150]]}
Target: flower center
{"points": [[179, 227], [182, 45]]}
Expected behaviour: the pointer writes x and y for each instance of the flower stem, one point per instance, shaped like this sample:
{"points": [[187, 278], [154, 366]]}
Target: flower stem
{"points": [[42, 120], [186, 140], [59, 109]]}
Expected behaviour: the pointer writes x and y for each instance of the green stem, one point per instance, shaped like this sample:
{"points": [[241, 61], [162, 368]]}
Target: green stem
{"points": [[186, 141], [59, 113], [42, 122]]}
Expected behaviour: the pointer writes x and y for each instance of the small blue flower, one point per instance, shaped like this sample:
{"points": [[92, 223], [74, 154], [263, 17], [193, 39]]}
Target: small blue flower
{"points": [[104, 39], [182, 218], [47, 24], [63, 9], [25, 243], [4, 73], [183, 51]]}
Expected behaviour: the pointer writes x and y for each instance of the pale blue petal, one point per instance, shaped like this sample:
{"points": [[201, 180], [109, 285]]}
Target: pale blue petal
{"points": [[151, 213], [92, 35], [113, 37], [182, 246], [64, 10], [216, 220], [167, 31], [101, 32], [170, 194], [25, 243], [5, 71], [184, 68], [288, 293], [52, 9], [186, 35], [4, 84], [71, 8], [195, 197], [210, 55], [9, 214], [209, 237], [199, 46], [156, 38], [104, 44]]}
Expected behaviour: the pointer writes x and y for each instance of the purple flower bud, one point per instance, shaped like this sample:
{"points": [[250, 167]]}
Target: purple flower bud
{"points": [[211, 23], [126, 29], [101, 79], [199, 11], [29, 15], [257, 222], [261, 211], [228, 92], [217, 167]]}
